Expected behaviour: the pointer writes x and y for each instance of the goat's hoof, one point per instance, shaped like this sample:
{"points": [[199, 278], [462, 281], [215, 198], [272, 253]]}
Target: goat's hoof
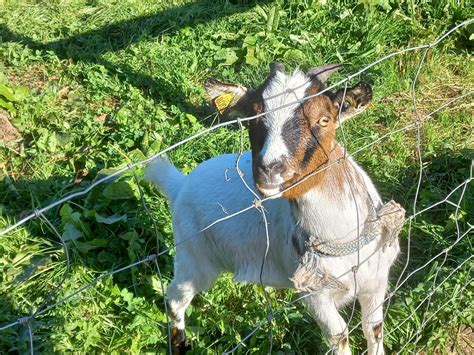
{"points": [[179, 343]]}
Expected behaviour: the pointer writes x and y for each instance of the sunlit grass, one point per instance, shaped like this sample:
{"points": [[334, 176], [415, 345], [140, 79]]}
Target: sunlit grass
{"points": [[113, 82]]}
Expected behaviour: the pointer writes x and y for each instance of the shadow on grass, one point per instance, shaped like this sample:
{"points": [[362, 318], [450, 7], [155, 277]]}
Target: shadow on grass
{"points": [[441, 174], [90, 46], [33, 260], [110, 246]]}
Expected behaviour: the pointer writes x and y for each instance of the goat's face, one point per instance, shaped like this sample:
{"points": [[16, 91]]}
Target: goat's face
{"points": [[293, 136]]}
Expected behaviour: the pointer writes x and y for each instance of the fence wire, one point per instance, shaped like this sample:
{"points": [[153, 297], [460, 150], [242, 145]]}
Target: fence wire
{"points": [[258, 204]]}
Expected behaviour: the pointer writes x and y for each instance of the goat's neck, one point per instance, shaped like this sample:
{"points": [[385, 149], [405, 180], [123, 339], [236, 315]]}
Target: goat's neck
{"points": [[328, 210]]}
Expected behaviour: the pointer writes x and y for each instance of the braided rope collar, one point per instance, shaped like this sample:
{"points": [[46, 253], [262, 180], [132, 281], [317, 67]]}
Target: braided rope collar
{"points": [[372, 228], [312, 276]]}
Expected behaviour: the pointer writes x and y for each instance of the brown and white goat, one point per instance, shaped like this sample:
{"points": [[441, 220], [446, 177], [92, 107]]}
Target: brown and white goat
{"points": [[321, 218]]}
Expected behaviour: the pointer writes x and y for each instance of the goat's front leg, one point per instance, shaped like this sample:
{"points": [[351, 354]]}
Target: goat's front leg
{"points": [[392, 217], [333, 325], [371, 305]]}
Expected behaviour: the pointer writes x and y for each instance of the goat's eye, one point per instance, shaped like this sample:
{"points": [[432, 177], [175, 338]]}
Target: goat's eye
{"points": [[345, 105], [323, 122]]}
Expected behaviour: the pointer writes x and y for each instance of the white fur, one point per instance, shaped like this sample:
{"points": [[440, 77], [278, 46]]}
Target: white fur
{"points": [[213, 190], [283, 90]]}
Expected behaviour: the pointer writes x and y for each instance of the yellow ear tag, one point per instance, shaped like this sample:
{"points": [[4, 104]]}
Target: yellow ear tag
{"points": [[223, 102]]}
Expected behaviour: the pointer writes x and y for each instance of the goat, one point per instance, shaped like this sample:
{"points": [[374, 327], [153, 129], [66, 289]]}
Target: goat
{"points": [[320, 225]]}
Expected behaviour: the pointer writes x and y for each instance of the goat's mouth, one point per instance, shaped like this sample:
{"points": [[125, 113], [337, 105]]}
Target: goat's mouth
{"points": [[275, 186], [269, 190]]}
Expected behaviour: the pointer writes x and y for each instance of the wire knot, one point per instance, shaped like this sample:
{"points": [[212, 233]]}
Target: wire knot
{"points": [[37, 213], [257, 203], [24, 320], [151, 257]]}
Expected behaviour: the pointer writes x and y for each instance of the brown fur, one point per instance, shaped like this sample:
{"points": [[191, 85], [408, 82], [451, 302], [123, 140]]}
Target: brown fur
{"points": [[378, 331], [325, 154], [318, 122], [343, 343], [179, 344], [340, 341]]}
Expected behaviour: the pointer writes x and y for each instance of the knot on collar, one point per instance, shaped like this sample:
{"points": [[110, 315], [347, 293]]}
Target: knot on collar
{"points": [[310, 276]]}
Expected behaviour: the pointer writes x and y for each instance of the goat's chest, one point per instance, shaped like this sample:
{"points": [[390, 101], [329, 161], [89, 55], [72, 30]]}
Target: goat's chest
{"points": [[330, 216]]}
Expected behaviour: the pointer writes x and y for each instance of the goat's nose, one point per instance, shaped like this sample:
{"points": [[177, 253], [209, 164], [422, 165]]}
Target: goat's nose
{"points": [[276, 167]]}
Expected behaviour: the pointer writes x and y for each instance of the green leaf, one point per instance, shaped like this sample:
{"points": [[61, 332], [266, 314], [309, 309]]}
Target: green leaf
{"points": [[156, 284], [47, 140], [71, 232], [294, 54], [250, 56], [130, 236], [84, 247], [136, 155], [228, 55], [7, 105], [259, 10], [276, 20], [106, 172], [111, 219], [99, 242], [3, 78], [7, 93], [65, 213], [155, 146], [249, 41], [270, 19], [120, 190], [21, 93], [192, 119]]}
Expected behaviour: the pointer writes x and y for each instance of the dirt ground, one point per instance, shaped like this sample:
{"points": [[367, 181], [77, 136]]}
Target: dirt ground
{"points": [[8, 132]]}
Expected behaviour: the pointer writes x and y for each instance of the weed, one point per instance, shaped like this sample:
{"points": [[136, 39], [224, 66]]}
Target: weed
{"points": [[112, 82]]}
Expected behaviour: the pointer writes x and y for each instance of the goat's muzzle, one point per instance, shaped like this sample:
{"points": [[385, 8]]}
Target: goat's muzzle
{"points": [[270, 178]]}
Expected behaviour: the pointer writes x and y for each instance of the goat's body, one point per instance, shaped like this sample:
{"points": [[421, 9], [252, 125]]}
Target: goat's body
{"points": [[212, 191], [327, 237], [332, 211]]}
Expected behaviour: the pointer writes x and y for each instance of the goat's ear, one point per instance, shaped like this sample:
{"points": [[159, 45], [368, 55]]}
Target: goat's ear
{"points": [[227, 98], [323, 71], [355, 100]]}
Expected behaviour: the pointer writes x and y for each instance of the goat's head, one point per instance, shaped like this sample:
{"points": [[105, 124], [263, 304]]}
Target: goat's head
{"points": [[293, 136]]}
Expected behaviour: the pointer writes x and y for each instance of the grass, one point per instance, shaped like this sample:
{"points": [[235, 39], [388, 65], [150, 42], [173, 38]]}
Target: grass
{"points": [[108, 83]]}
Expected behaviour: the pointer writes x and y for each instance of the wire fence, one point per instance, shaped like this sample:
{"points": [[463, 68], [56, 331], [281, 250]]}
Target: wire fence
{"points": [[259, 203]]}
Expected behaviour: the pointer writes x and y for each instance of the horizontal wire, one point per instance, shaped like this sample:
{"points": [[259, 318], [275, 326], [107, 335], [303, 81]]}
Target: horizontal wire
{"points": [[220, 125], [349, 271], [454, 297], [40, 211], [93, 282]]}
